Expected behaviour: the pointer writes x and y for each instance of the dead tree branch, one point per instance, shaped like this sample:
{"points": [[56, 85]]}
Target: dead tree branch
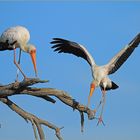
{"points": [[20, 88], [36, 122]]}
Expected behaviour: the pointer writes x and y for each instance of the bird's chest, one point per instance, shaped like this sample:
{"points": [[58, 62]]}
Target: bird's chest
{"points": [[99, 74], [106, 83]]}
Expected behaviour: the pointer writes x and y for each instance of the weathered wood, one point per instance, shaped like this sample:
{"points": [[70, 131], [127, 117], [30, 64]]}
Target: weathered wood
{"points": [[21, 88], [36, 122]]}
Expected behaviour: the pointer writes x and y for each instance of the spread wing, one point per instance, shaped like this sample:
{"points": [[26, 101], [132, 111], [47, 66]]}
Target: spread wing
{"points": [[66, 46], [118, 60]]}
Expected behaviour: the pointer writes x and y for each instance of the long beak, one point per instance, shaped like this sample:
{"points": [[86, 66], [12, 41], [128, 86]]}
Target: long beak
{"points": [[92, 88], [33, 57]]}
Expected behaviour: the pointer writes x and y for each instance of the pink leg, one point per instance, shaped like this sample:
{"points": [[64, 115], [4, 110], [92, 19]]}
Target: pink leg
{"points": [[18, 64], [101, 101], [100, 120]]}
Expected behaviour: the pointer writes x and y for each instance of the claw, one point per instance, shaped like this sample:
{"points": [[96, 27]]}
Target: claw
{"points": [[100, 120]]}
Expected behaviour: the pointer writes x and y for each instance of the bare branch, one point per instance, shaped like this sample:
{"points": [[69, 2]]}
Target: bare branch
{"points": [[36, 122], [17, 87], [21, 88]]}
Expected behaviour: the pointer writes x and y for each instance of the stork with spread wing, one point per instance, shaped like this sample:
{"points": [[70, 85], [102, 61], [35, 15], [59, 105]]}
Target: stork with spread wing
{"points": [[99, 73]]}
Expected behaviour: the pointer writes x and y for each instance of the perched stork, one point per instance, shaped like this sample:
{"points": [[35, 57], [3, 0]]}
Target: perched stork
{"points": [[18, 37], [99, 73]]}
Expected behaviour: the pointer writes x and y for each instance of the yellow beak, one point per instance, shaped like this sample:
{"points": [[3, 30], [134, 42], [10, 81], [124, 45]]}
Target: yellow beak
{"points": [[33, 57], [92, 88]]}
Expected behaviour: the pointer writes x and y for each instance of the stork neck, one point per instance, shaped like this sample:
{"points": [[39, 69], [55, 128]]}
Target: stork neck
{"points": [[24, 48]]}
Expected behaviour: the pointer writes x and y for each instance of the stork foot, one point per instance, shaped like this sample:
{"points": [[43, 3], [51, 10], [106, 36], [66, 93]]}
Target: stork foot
{"points": [[16, 81], [100, 120], [25, 79], [28, 79]]}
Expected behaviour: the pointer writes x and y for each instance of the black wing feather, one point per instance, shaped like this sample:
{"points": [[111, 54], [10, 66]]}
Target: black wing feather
{"points": [[66, 46], [118, 61]]}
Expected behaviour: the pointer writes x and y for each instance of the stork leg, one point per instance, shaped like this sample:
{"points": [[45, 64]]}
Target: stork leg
{"points": [[100, 120], [101, 101], [98, 106], [18, 66]]}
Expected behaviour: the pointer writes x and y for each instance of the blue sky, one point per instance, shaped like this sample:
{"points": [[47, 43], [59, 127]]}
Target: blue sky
{"points": [[103, 28]]}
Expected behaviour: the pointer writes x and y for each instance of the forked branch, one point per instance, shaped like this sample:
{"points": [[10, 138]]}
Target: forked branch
{"points": [[20, 88], [36, 122]]}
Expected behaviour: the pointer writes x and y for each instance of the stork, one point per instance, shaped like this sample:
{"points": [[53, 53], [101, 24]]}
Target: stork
{"points": [[99, 73], [18, 37]]}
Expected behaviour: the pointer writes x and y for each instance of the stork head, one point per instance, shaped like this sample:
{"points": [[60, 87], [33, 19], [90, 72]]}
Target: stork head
{"points": [[32, 52]]}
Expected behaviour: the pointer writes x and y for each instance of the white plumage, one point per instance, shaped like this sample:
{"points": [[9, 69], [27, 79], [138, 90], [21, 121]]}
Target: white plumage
{"points": [[18, 37], [99, 73], [16, 33]]}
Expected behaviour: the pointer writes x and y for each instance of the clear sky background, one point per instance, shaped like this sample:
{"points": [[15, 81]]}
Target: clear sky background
{"points": [[103, 28]]}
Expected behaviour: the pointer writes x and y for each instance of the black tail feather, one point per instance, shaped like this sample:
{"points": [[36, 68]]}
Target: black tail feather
{"points": [[114, 86]]}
